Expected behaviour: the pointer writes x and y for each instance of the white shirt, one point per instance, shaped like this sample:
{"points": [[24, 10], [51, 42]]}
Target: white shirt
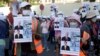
{"points": [[44, 26]]}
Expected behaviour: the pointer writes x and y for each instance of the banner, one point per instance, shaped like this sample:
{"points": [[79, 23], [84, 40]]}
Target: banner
{"points": [[70, 41], [22, 29]]}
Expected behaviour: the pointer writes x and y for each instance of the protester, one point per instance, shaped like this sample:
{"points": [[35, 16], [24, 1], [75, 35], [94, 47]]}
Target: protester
{"points": [[45, 32], [14, 5], [25, 11], [74, 21], [51, 31], [98, 32], [4, 35], [89, 34]]}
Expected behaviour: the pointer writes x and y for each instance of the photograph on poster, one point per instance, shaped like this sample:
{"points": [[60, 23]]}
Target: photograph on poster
{"points": [[18, 25], [27, 32], [58, 23], [66, 37], [18, 34], [75, 40], [70, 41], [65, 46], [22, 29]]}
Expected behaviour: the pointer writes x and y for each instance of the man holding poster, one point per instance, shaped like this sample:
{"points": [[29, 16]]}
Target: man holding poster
{"points": [[73, 35], [25, 28]]}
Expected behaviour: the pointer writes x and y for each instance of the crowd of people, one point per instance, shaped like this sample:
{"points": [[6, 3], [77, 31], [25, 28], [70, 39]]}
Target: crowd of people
{"points": [[43, 32]]}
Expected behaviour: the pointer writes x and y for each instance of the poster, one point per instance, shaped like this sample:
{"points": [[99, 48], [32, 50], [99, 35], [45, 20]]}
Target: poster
{"points": [[22, 29], [58, 23], [70, 41]]}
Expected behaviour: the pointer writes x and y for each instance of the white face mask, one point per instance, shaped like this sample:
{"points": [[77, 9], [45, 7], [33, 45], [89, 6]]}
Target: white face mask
{"points": [[73, 24], [94, 19], [26, 12]]}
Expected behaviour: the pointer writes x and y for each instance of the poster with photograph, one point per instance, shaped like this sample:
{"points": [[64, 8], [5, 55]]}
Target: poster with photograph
{"points": [[70, 41], [22, 29], [58, 23]]}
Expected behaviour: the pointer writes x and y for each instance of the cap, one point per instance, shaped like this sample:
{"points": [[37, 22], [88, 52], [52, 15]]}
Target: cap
{"points": [[23, 4], [90, 14]]}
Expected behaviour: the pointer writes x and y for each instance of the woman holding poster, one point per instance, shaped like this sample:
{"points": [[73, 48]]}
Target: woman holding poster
{"points": [[25, 47], [73, 22]]}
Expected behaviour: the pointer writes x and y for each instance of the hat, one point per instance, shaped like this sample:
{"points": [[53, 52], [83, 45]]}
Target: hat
{"points": [[90, 14], [74, 16], [60, 13], [23, 4], [98, 17]]}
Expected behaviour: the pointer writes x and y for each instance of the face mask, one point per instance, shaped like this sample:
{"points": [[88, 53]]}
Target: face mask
{"points": [[94, 19], [26, 12], [73, 24]]}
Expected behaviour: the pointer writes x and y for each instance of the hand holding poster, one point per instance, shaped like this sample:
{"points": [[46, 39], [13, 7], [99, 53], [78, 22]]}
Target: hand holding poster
{"points": [[70, 41], [22, 29]]}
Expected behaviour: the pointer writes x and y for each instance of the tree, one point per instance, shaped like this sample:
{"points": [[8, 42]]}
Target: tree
{"points": [[53, 1], [7, 1], [92, 0]]}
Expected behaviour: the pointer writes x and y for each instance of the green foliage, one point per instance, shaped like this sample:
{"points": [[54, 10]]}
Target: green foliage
{"points": [[34, 2], [7, 1], [1, 4], [4, 2]]}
